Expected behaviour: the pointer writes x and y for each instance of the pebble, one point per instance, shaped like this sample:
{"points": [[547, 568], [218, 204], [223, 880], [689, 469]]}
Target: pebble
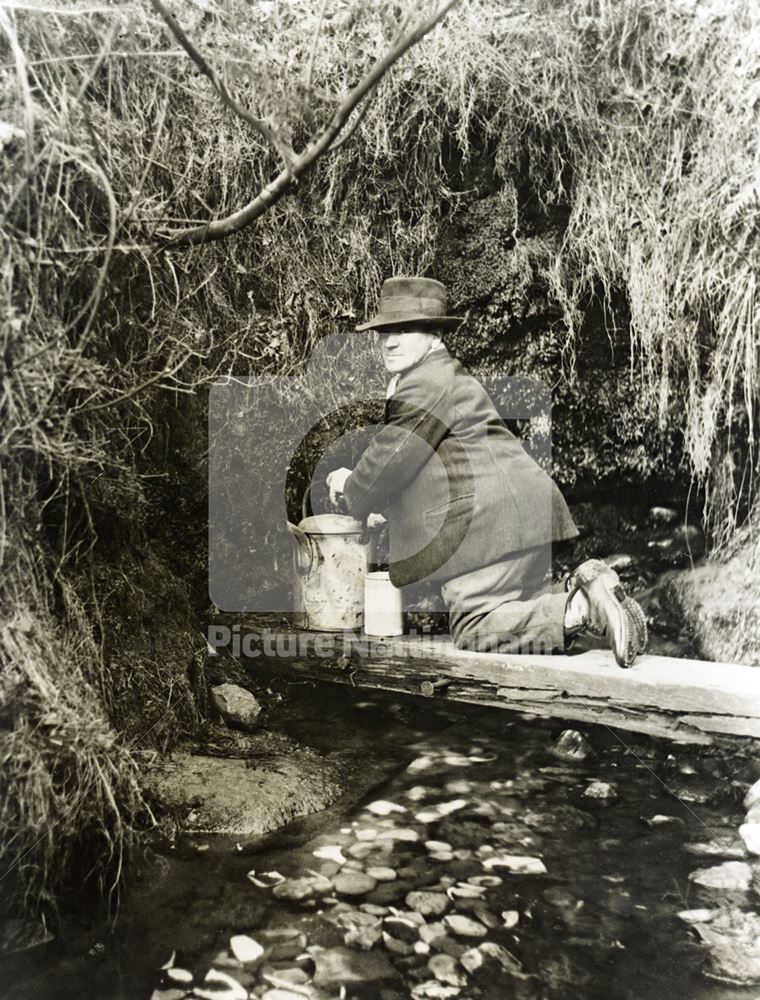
{"points": [[351, 883], [429, 904], [510, 918], [403, 930], [660, 820], [395, 945], [433, 990], [464, 891], [449, 946], [464, 926], [274, 935], [177, 975], [697, 916], [282, 993], [429, 932], [360, 851], [733, 875], [171, 994], [489, 881], [516, 864], [445, 969], [300, 890], [456, 760], [219, 986], [383, 808], [489, 951], [418, 792], [570, 745], [410, 836], [440, 811], [364, 936], [390, 892], [373, 909], [382, 874], [245, 949], [662, 515], [437, 845], [601, 791], [287, 948], [366, 833], [331, 852]]}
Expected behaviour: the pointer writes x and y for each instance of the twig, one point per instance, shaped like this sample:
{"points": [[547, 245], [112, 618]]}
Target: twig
{"points": [[220, 87], [312, 56], [217, 229]]}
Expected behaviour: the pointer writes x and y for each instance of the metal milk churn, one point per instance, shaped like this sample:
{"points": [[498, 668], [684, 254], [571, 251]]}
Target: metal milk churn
{"points": [[333, 553]]}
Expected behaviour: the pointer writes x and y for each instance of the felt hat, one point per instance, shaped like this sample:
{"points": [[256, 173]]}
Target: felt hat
{"points": [[418, 301]]}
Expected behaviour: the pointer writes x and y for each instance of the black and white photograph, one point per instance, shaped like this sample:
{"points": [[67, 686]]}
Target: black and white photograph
{"points": [[379, 500]]}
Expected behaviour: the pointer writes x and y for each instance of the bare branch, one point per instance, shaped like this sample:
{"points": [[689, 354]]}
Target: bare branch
{"points": [[312, 57], [346, 137], [267, 133], [217, 229]]}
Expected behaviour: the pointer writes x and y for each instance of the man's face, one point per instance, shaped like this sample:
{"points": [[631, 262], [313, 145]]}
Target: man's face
{"points": [[403, 346]]}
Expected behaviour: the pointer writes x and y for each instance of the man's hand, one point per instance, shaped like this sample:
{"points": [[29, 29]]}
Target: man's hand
{"points": [[335, 483], [375, 520]]}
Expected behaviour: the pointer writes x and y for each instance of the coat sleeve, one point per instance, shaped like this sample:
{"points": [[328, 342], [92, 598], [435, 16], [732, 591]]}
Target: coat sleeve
{"points": [[414, 428]]}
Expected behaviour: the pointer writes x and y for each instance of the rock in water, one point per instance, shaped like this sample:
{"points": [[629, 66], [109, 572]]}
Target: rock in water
{"points": [[352, 883], [490, 952], [445, 969], [219, 986], [603, 792], [300, 890], [236, 706], [702, 916], [662, 515], [733, 944], [384, 808], [571, 745], [516, 863], [733, 875], [363, 930], [464, 926], [180, 977], [429, 904], [245, 949], [338, 967]]}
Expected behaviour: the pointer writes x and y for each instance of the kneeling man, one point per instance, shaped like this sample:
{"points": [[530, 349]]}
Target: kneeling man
{"points": [[467, 506]]}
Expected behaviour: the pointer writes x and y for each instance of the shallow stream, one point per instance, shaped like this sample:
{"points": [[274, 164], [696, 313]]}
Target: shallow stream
{"points": [[469, 793]]}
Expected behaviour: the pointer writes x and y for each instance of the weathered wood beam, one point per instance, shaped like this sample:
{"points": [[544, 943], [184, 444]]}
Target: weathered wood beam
{"points": [[686, 700]]}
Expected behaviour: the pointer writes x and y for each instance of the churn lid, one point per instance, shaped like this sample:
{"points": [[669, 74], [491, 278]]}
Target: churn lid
{"points": [[331, 524]]}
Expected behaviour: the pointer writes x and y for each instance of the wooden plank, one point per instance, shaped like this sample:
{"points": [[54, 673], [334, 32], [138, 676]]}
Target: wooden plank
{"points": [[663, 696]]}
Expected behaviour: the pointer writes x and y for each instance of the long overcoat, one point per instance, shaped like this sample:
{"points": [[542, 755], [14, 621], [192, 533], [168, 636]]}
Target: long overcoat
{"points": [[458, 488]]}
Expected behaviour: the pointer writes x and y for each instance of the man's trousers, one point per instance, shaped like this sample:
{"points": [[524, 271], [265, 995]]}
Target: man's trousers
{"points": [[508, 607]]}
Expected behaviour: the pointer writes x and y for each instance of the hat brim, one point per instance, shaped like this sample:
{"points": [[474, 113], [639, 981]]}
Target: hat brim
{"points": [[439, 322]]}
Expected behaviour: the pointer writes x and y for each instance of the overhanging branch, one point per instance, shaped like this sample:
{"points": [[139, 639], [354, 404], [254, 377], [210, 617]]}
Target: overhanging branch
{"points": [[219, 85], [217, 229]]}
